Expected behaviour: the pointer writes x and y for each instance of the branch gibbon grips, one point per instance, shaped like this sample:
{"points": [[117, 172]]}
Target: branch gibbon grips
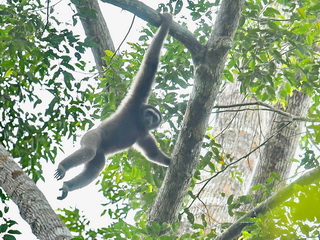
{"points": [[128, 126]]}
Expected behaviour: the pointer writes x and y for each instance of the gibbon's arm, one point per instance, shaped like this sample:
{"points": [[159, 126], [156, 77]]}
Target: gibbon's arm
{"points": [[143, 82], [151, 151]]}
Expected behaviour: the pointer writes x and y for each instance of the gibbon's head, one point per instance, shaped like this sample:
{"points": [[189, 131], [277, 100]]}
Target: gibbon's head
{"points": [[151, 117]]}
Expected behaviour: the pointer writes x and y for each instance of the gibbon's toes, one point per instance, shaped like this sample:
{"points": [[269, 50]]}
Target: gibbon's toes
{"points": [[59, 174], [165, 162], [64, 193]]}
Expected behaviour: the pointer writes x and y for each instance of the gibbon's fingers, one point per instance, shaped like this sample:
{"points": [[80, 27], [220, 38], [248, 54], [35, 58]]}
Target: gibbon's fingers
{"points": [[64, 193], [60, 173], [90, 172]]}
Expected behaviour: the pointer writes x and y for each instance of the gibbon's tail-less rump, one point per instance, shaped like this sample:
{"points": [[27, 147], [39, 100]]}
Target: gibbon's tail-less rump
{"points": [[128, 126]]}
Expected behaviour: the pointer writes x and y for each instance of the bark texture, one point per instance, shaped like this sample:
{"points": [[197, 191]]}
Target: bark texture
{"points": [[238, 132], [280, 149], [96, 29], [209, 65], [33, 205]]}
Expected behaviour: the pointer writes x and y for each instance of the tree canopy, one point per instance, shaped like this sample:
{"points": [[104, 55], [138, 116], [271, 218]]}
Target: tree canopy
{"points": [[269, 48]]}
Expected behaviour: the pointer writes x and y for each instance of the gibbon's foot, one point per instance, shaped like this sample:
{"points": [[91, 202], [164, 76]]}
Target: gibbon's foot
{"points": [[64, 193], [60, 173], [167, 162]]}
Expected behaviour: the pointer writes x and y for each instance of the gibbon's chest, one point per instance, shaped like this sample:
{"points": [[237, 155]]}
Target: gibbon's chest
{"points": [[120, 132]]}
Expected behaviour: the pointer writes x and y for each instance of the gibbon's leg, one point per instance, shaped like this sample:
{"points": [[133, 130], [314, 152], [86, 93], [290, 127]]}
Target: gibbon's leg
{"points": [[151, 151], [83, 155], [90, 172], [89, 144]]}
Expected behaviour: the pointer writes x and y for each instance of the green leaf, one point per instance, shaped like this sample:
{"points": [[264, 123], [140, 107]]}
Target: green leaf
{"points": [[3, 228], [197, 226], [271, 12], [302, 13], [256, 187], [8, 73], [68, 77], [178, 7], [14, 232], [190, 217], [109, 53], [8, 237]]}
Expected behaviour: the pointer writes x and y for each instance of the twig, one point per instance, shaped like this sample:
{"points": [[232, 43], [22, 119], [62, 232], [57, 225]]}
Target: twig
{"points": [[269, 108], [278, 198], [206, 181]]}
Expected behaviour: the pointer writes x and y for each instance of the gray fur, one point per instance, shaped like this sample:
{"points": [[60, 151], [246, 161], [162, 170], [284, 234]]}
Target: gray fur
{"points": [[128, 126]]}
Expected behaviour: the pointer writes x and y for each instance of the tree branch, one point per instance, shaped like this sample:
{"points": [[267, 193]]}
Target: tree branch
{"points": [[95, 28], [33, 205], [269, 107], [282, 195], [153, 17], [234, 162]]}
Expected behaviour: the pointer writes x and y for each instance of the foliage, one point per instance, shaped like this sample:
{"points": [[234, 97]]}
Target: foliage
{"points": [[296, 218], [40, 98], [6, 224], [74, 220], [121, 230], [274, 54]]}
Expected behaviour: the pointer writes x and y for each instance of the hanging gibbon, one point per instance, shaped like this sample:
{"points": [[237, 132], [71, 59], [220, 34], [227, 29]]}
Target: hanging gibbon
{"points": [[128, 126]]}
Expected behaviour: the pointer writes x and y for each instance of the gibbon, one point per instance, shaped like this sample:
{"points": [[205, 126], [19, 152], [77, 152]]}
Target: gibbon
{"points": [[128, 126]]}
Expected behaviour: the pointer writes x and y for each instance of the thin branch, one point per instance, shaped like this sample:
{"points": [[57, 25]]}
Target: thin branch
{"points": [[235, 229], [269, 108], [47, 20], [118, 48], [230, 122], [206, 181], [243, 110], [153, 17]]}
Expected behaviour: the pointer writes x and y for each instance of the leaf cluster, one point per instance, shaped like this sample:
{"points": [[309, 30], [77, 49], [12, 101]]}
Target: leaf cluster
{"points": [[297, 218], [6, 224], [41, 100], [274, 52]]}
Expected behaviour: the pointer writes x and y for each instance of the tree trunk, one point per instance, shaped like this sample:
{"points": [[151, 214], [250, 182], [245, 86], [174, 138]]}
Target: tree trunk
{"points": [[209, 68], [238, 132], [33, 205], [96, 29], [277, 153]]}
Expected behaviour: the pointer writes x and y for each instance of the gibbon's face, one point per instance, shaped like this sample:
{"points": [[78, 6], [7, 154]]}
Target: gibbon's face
{"points": [[151, 118]]}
